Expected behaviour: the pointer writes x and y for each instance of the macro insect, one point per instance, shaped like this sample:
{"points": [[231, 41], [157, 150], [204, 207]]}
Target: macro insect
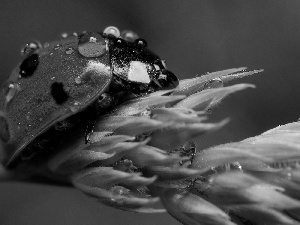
{"points": [[58, 90]]}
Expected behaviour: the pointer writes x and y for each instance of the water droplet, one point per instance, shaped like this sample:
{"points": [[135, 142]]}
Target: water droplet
{"points": [[64, 35], [69, 51], [129, 35], [112, 31], [91, 44], [51, 53], [29, 65], [11, 91], [78, 80], [75, 107], [75, 34], [57, 47], [52, 78], [31, 47], [214, 83]]}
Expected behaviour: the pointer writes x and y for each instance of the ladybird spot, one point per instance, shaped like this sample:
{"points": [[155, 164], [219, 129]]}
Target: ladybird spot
{"points": [[29, 65], [58, 93], [31, 47], [91, 45]]}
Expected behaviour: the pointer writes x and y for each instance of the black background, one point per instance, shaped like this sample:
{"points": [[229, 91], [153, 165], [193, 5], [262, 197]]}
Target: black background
{"points": [[194, 37]]}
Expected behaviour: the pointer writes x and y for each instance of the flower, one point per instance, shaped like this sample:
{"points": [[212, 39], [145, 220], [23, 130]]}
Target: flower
{"points": [[142, 152]]}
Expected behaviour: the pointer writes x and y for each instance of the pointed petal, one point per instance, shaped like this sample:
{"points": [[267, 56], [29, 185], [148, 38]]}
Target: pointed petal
{"points": [[77, 161], [261, 214], [210, 97], [120, 198], [104, 177], [176, 114], [191, 86], [127, 125], [239, 188], [190, 209], [173, 173], [169, 138], [234, 76], [139, 105], [224, 154]]}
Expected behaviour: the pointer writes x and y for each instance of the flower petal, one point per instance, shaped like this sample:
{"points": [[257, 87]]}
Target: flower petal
{"points": [[261, 214], [174, 136], [190, 209], [104, 177], [117, 197], [128, 125], [191, 86], [209, 98]]}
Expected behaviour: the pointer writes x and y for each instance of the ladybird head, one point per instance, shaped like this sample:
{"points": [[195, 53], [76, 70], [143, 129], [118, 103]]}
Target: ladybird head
{"points": [[135, 67]]}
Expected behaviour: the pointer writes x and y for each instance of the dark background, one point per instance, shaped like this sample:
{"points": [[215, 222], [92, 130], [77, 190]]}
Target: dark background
{"points": [[194, 37]]}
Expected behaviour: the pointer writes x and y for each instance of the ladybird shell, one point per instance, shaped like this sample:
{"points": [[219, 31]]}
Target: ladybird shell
{"points": [[54, 83]]}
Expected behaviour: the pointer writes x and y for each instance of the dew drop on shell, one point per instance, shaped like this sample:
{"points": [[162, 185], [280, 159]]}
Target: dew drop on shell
{"points": [[75, 107], [57, 47], [129, 35], [78, 80], [69, 51], [31, 47], [112, 31], [11, 91], [91, 44], [64, 35]]}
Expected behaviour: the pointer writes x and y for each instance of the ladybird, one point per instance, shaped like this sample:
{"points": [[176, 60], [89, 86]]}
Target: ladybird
{"points": [[60, 88]]}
